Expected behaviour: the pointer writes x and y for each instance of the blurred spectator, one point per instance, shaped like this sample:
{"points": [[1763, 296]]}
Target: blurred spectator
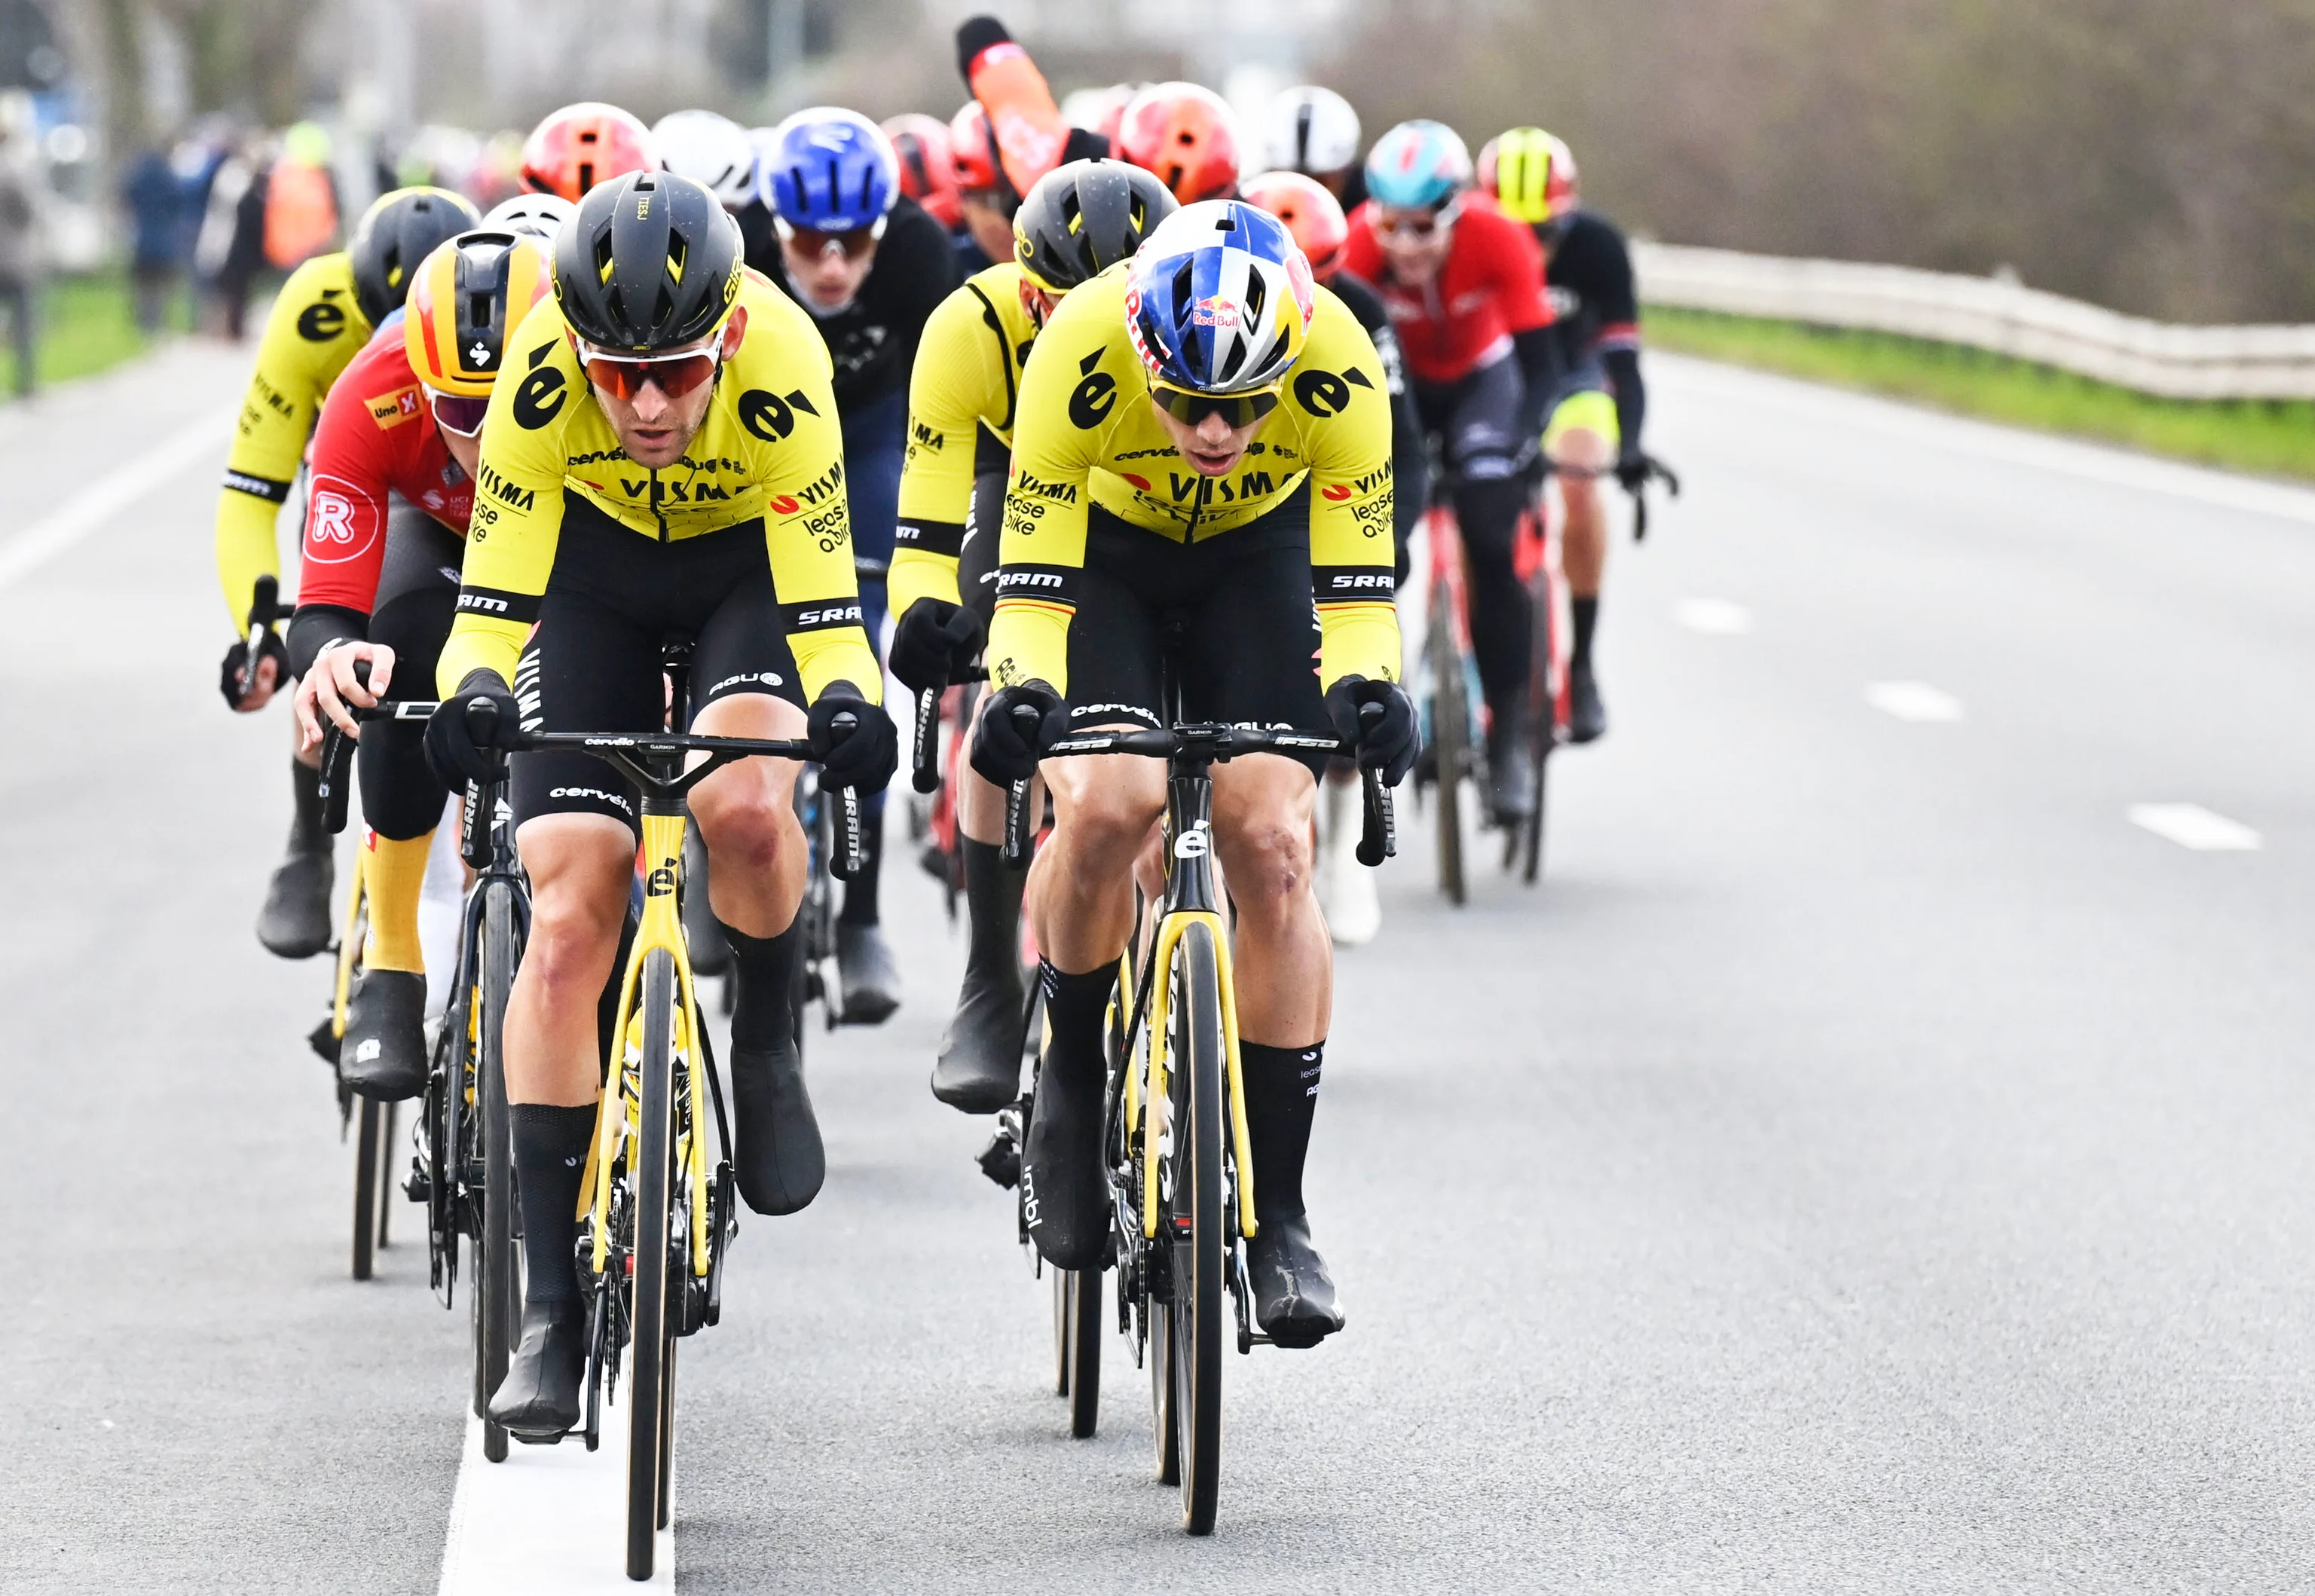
{"points": [[155, 198], [19, 255], [301, 199], [231, 249]]}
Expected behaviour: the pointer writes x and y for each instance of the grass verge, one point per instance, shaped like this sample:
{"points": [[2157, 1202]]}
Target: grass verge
{"points": [[86, 324], [2274, 436]]}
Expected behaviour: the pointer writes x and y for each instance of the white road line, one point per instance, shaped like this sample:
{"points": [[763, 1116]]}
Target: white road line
{"points": [[549, 1520], [2191, 826], [1913, 701], [95, 507], [1715, 618]]}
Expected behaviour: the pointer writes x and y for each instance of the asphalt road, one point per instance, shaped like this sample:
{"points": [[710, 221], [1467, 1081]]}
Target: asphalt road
{"points": [[1869, 1162]]}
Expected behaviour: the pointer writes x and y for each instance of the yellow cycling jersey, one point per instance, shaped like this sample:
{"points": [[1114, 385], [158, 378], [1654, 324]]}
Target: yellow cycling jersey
{"points": [[313, 333], [770, 449], [967, 379], [1088, 434]]}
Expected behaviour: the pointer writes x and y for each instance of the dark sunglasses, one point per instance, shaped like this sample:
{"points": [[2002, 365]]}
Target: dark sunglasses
{"points": [[623, 376], [458, 413], [1236, 410], [813, 242]]}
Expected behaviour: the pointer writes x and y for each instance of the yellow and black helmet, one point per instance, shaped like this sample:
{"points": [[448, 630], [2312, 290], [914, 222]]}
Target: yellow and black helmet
{"points": [[393, 235], [466, 301], [650, 261]]}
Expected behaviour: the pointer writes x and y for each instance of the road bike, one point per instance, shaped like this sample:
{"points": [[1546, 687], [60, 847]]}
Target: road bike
{"points": [[1175, 1139]]}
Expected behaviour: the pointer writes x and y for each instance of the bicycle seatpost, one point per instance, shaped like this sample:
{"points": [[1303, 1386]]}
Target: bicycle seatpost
{"points": [[925, 772], [851, 845], [337, 755]]}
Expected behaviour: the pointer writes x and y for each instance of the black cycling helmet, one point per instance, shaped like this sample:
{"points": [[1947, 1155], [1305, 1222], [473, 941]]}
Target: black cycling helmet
{"points": [[400, 230], [652, 261], [1078, 220]]}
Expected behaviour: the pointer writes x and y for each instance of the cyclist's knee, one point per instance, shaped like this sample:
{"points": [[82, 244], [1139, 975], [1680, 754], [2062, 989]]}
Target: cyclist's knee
{"points": [[1262, 817], [1106, 805], [582, 870], [747, 826]]}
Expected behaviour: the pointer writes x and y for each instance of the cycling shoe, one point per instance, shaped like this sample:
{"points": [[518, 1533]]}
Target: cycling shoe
{"points": [[979, 1067], [383, 1054], [1587, 717], [1293, 1295], [538, 1400], [778, 1156], [1064, 1195], [295, 923], [864, 964]]}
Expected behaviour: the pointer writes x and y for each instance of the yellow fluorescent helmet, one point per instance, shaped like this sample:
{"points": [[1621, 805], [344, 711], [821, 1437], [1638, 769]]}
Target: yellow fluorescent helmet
{"points": [[467, 298], [1531, 174]]}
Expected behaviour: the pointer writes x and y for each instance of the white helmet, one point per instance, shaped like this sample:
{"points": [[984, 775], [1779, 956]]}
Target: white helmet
{"points": [[1310, 129], [710, 149], [541, 216]]}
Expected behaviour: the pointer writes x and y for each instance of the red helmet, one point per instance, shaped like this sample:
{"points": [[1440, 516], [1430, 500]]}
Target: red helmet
{"points": [[583, 145], [972, 148], [1186, 135], [1314, 216], [928, 163]]}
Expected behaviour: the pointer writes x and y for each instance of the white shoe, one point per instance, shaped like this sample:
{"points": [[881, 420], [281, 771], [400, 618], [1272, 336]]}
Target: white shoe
{"points": [[1354, 910]]}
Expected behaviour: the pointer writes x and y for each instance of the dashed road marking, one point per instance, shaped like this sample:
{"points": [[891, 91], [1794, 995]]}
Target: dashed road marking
{"points": [[94, 507], [2191, 826], [1913, 701], [1715, 618]]}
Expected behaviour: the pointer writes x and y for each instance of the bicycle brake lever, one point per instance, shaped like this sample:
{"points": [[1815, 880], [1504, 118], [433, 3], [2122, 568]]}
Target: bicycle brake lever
{"points": [[851, 847], [1016, 825], [925, 774], [1379, 837]]}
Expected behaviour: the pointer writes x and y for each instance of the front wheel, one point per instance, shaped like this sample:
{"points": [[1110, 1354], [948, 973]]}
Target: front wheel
{"points": [[370, 1138], [1077, 1346], [651, 1363], [1194, 1223], [1451, 741], [498, 1293]]}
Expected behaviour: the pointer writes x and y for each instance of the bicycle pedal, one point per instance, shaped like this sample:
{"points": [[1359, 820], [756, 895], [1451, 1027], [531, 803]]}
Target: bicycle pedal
{"points": [[553, 1440], [420, 1186], [1000, 1160], [324, 1040]]}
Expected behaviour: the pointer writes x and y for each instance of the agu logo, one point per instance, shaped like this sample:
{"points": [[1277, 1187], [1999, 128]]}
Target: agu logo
{"points": [[335, 530]]}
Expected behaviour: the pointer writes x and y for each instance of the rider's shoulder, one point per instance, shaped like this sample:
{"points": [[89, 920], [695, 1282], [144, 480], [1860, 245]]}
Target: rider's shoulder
{"points": [[317, 306], [778, 328], [1337, 337], [1094, 312]]}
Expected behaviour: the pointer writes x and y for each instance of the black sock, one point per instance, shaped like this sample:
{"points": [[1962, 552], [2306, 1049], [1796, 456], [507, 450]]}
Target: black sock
{"points": [[550, 1157], [1282, 1095], [1075, 1006], [305, 833], [1585, 612], [764, 1013], [860, 892], [992, 900]]}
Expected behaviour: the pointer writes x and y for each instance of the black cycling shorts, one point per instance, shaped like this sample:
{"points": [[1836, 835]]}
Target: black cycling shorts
{"points": [[614, 600], [1476, 420], [1249, 634], [417, 600]]}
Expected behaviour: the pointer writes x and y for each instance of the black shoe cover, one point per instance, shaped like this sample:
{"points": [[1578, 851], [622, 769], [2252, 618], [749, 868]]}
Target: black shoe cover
{"points": [[538, 1399], [872, 985], [1587, 717], [383, 1054], [1293, 1295], [1064, 1193], [1511, 776], [978, 1068], [778, 1156], [295, 923]]}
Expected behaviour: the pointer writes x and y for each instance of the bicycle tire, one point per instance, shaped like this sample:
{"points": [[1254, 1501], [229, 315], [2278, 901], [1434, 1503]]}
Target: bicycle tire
{"points": [[1450, 739], [1161, 1394], [650, 1366], [1078, 1300], [367, 1133], [1194, 1053], [386, 1175], [498, 1274], [1543, 732]]}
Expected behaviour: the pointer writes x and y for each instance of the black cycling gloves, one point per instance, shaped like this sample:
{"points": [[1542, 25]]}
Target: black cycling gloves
{"points": [[1015, 730], [934, 642], [467, 737], [852, 740], [239, 674], [1379, 718]]}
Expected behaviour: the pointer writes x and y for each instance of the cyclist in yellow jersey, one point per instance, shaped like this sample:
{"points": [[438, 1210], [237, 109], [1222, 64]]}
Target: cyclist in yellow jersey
{"points": [[1076, 222], [662, 460], [1204, 448], [323, 316]]}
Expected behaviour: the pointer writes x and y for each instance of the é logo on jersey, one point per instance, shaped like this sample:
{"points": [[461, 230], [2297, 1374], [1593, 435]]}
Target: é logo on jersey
{"points": [[540, 398], [1094, 397], [1323, 394], [318, 324], [770, 417]]}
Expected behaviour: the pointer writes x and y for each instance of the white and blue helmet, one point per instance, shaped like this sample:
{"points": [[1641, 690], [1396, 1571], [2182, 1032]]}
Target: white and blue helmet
{"points": [[1219, 298]]}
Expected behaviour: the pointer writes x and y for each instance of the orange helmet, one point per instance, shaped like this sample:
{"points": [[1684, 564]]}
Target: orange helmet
{"points": [[928, 163], [465, 300], [1314, 216], [972, 148], [1531, 174], [583, 145], [1186, 135]]}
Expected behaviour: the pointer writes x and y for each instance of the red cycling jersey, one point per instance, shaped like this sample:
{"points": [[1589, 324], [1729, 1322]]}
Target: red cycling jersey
{"points": [[377, 435], [1490, 287]]}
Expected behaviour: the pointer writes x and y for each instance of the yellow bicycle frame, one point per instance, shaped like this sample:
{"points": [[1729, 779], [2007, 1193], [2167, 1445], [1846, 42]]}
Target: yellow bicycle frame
{"points": [[350, 940], [617, 1112], [1171, 926]]}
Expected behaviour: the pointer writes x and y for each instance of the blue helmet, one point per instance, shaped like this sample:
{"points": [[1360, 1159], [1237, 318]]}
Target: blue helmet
{"points": [[828, 169], [1219, 299], [1418, 163]]}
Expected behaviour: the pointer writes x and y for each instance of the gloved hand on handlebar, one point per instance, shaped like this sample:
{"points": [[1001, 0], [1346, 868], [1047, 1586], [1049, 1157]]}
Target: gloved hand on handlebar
{"points": [[934, 642], [1634, 468], [240, 676], [852, 740], [1379, 718], [468, 734], [1016, 727]]}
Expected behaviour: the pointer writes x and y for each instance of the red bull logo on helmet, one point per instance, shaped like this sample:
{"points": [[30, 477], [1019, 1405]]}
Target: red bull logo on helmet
{"points": [[1216, 312]]}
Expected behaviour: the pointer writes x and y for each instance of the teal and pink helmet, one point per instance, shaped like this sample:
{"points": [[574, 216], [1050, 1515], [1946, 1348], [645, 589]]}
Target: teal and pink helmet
{"points": [[1418, 164]]}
